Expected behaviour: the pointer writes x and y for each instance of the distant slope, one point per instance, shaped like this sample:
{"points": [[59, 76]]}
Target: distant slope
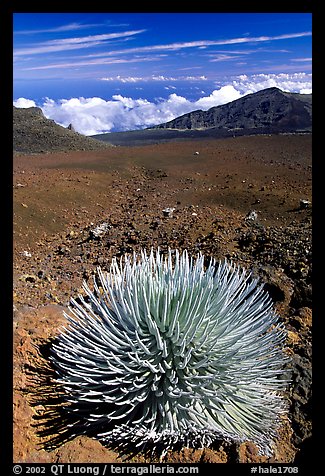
{"points": [[155, 136], [270, 109], [159, 135], [33, 133]]}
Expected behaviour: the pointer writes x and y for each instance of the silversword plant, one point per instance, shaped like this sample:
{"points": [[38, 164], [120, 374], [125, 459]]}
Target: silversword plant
{"points": [[167, 351]]}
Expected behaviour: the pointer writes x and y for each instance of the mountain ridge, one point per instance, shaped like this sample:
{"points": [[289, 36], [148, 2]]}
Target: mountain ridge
{"points": [[271, 107], [33, 133], [269, 111]]}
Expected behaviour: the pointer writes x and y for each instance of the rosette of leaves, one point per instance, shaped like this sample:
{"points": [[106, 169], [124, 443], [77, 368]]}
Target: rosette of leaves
{"points": [[165, 351]]}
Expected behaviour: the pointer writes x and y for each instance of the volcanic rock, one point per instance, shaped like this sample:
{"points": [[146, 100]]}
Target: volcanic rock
{"points": [[33, 133], [270, 109]]}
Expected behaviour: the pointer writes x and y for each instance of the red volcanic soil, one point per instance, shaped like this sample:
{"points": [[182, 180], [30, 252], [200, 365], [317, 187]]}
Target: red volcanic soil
{"points": [[60, 199]]}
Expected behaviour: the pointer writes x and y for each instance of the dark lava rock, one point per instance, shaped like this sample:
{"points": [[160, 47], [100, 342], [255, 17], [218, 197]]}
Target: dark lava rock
{"points": [[301, 398]]}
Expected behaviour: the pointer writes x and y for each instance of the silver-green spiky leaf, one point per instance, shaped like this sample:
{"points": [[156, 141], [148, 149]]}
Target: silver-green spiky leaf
{"points": [[165, 350]]}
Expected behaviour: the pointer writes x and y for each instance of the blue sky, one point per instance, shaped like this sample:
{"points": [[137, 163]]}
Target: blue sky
{"points": [[118, 71]]}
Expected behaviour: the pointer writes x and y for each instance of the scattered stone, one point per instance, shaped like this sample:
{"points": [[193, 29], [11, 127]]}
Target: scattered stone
{"points": [[196, 153], [168, 211], [251, 216], [27, 254], [63, 250], [100, 260], [24, 205], [99, 230], [303, 204], [155, 224], [28, 278]]}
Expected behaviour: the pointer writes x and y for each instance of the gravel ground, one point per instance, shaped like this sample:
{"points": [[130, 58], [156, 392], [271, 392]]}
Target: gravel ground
{"points": [[238, 199]]}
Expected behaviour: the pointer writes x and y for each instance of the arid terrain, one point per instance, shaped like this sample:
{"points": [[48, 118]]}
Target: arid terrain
{"points": [[247, 199]]}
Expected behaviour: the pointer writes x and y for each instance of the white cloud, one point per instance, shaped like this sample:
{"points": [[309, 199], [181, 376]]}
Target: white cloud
{"points": [[223, 57], [95, 115], [308, 60], [85, 42], [158, 78], [294, 82], [219, 96], [24, 103], [101, 61], [125, 79], [130, 103], [202, 44], [68, 27], [65, 44]]}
